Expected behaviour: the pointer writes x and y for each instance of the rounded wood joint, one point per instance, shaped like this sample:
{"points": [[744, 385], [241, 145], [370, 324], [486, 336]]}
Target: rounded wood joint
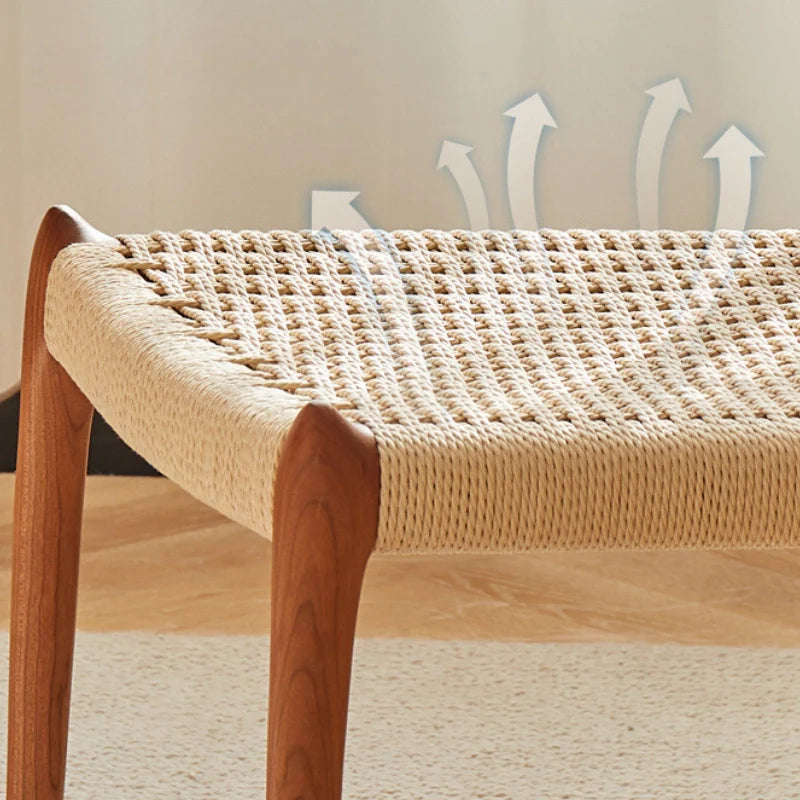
{"points": [[325, 527], [62, 226], [54, 426]]}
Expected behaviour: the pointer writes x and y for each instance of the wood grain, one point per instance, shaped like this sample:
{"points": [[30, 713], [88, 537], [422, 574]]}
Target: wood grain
{"points": [[55, 422], [325, 526]]}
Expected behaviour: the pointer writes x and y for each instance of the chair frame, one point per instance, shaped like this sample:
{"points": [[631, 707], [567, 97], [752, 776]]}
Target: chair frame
{"points": [[325, 523]]}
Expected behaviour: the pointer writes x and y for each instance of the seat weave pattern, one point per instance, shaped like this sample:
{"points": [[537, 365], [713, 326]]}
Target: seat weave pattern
{"points": [[548, 389]]}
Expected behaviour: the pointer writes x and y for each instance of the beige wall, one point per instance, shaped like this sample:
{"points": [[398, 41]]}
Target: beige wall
{"points": [[189, 113], [11, 280]]}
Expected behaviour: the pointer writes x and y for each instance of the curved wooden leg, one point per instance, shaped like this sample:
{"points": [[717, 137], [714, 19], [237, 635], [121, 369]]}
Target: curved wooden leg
{"points": [[55, 422], [325, 526]]}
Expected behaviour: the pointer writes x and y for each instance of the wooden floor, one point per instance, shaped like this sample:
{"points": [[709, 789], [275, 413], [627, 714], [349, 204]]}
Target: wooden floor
{"points": [[155, 559]]}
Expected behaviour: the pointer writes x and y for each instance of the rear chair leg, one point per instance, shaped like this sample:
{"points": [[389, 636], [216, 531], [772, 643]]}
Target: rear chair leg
{"points": [[325, 527], [54, 427]]}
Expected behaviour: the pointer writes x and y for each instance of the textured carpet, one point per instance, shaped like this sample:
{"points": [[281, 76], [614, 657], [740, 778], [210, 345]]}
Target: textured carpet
{"points": [[183, 717]]}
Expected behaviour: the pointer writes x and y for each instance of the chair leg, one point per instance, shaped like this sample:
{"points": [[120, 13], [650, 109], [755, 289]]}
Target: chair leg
{"points": [[55, 422], [325, 526]]}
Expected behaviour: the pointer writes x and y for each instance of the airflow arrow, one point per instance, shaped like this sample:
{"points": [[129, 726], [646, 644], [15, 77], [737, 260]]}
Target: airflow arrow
{"points": [[733, 150], [455, 157], [668, 99], [333, 210], [530, 116]]}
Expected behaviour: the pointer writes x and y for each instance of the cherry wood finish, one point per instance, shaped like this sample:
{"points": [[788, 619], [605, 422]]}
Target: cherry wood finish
{"points": [[55, 422], [325, 526]]}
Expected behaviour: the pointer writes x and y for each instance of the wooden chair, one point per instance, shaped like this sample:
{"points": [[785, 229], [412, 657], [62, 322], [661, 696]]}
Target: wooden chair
{"points": [[345, 392]]}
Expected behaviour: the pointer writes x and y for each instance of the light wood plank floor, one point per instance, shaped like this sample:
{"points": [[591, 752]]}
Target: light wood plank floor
{"points": [[156, 559]]}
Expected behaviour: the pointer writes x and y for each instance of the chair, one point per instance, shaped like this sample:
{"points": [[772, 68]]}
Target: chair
{"points": [[345, 392]]}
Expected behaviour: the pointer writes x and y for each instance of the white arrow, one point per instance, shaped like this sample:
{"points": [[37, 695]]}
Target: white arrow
{"points": [[455, 157], [734, 151], [668, 99], [333, 210], [530, 118]]}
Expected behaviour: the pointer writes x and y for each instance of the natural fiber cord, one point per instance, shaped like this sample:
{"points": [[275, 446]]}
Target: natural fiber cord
{"points": [[550, 389]]}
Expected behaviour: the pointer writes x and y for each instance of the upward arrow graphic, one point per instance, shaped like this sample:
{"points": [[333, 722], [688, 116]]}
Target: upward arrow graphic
{"points": [[530, 117], [455, 157], [669, 98], [733, 150], [333, 210]]}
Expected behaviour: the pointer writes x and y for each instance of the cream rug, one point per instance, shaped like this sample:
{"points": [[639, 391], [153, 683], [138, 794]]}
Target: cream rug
{"points": [[165, 717]]}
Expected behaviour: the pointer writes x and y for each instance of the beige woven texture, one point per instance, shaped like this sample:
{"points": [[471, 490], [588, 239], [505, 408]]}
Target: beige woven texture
{"points": [[550, 389], [177, 717]]}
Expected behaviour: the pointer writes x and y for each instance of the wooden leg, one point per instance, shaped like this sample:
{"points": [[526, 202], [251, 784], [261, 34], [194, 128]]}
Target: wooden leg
{"points": [[55, 421], [325, 526]]}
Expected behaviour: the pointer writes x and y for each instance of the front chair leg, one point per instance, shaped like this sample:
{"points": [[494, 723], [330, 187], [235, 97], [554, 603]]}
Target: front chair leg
{"points": [[55, 421], [325, 527]]}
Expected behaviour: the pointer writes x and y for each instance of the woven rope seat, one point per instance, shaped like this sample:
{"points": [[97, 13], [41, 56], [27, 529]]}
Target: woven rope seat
{"points": [[526, 390]]}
